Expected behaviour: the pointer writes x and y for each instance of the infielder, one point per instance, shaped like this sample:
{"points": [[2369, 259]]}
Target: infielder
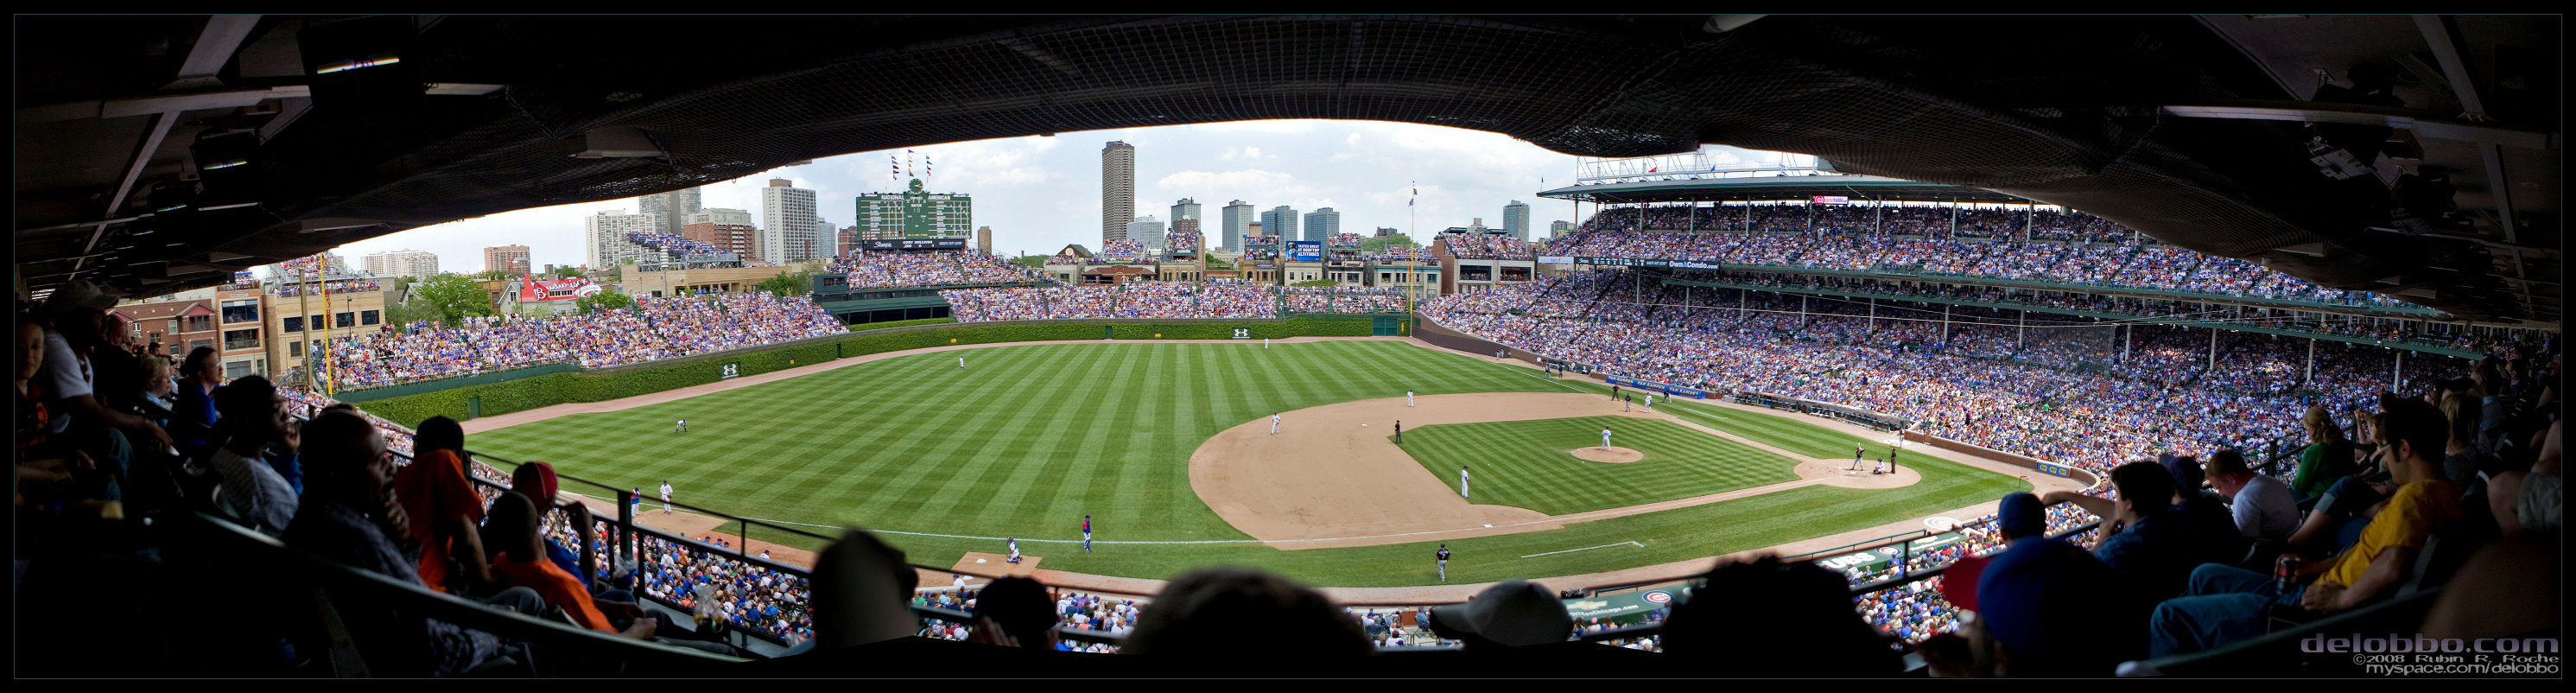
{"points": [[666, 496], [1444, 562], [1462, 481], [1274, 424], [1408, 398], [1605, 440], [1086, 534], [1650, 402], [1625, 401], [1015, 550]]}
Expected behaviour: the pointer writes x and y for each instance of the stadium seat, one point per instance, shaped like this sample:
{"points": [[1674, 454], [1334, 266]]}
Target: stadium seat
{"points": [[2265, 655]]}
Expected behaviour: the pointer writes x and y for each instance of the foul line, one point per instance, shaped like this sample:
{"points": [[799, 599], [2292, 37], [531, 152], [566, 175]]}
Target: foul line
{"points": [[1587, 548]]}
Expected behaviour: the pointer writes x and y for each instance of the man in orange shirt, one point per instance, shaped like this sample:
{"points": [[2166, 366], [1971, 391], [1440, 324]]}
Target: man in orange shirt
{"points": [[519, 560], [444, 512]]}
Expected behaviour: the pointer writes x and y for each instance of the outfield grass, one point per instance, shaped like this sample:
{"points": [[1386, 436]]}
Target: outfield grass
{"points": [[1525, 463], [1028, 439]]}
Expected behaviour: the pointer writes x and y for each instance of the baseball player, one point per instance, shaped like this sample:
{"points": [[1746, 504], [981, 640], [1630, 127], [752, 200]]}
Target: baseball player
{"points": [[1614, 392], [681, 427], [1015, 549], [1857, 451], [1408, 398], [1399, 432], [961, 363], [1650, 402], [1882, 466], [1462, 481], [1274, 424], [1605, 440], [666, 496], [1625, 401], [1444, 562], [1086, 534]]}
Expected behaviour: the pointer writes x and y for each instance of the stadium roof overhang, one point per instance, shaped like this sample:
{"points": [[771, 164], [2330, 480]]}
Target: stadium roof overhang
{"points": [[1856, 187], [163, 153]]}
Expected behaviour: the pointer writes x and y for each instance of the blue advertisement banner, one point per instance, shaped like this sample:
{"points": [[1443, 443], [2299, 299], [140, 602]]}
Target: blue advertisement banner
{"points": [[1306, 251]]}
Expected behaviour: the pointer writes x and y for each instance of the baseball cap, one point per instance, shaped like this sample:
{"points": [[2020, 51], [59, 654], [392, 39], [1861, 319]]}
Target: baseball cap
{"points": [[2021, 515], [536, 480], [1512, 613], [82, 293]]}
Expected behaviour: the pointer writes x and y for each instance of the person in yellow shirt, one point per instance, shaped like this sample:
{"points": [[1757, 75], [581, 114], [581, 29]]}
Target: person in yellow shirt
{"points": [[2226, 604]]}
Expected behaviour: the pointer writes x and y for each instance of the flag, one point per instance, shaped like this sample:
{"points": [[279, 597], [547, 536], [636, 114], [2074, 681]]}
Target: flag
{"points": [[1652, 170]]}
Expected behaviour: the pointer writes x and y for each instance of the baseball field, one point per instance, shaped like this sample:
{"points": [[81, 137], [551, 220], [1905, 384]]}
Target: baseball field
{"points": [[1167, 446]]}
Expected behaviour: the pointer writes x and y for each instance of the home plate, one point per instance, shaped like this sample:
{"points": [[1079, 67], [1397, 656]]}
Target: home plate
{"points": [[996, 565]]}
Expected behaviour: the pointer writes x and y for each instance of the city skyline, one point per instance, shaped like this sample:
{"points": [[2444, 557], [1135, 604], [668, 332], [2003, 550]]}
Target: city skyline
{"points": [[1041, 193]]}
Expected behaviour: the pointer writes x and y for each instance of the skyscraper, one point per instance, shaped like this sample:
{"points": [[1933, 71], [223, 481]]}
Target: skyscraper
{"points": [[1238, 217], [1559, 228], [672, 207], [717, 215], [416, 264], [1516, 221], [787, 230], [603, 237], [1147, 230], [1117, 190], [984, 239], [1187, 208], [1321, 224], [1281, 221], [508, 259]]}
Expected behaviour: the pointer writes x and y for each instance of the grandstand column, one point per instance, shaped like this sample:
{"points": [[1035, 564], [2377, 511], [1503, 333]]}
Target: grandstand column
{"points": [[2311, 376], [2020, 329], [2213, 349], [626, 544], [1945, 325], [2397, 373]]}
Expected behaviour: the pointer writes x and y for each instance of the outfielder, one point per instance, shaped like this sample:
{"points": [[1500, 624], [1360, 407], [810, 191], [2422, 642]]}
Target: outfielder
{"points": [[1605, 440], [1086, 534], [681, 427], [961, 363], [1444, 561], [1462, 481], [1274, 424]]}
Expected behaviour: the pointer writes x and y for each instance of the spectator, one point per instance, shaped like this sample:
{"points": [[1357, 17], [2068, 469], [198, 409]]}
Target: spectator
{"points": [[1015, 612], [519, 560], [349, 514], [1236, 613], [2261, 505], [444, 510], [2040, 601], [2327, 458], [256, 433], [2225, 604], [76, 414], [1511, 613], [860, 585], [1767, 618]]}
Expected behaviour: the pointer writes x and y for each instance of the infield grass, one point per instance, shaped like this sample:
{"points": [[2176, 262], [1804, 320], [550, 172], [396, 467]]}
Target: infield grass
{"points": [[1526, 464], [1028, 439]]}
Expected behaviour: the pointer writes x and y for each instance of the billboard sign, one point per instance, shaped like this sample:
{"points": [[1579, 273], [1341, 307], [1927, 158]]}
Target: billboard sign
{"points": [[1833, 199], [1306, 251]]}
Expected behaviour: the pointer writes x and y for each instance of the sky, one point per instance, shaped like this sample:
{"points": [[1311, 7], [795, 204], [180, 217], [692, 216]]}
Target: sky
{"points": [[1040, 193]]}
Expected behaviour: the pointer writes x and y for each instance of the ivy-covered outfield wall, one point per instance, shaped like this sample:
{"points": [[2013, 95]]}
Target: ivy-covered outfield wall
{"points": [[605, 384]]}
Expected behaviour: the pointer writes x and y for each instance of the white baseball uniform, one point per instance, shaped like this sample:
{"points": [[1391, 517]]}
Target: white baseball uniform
{"points": [[1605, 440], [1408, 398], [1274, 423], [666, 498], [1462, 482]]}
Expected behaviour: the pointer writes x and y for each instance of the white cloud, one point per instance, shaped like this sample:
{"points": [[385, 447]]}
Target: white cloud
{"points": [[1250, 181]]}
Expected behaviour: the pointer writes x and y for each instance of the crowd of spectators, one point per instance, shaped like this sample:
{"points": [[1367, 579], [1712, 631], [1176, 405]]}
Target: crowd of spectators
{"points": [[677, 245], [330, 287], [2099, 259], [1484, 246], [1147, 300], [1342, 299], [657, 328], [873, 270]]}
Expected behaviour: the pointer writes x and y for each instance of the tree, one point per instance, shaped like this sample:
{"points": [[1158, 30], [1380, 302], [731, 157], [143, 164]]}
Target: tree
{"points": [[492, 275], [404, 315], [567, 272], [454, 296], [1377, 243], [788, 284], [605, 300]]}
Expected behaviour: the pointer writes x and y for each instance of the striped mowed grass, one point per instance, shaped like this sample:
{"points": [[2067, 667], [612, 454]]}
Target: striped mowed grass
{"points": [[1028, 439], [1526, 464]]}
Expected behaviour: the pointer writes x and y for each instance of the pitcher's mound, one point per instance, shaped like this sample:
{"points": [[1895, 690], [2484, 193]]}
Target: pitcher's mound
{"points": [[997, 565], [1615, 455]]}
